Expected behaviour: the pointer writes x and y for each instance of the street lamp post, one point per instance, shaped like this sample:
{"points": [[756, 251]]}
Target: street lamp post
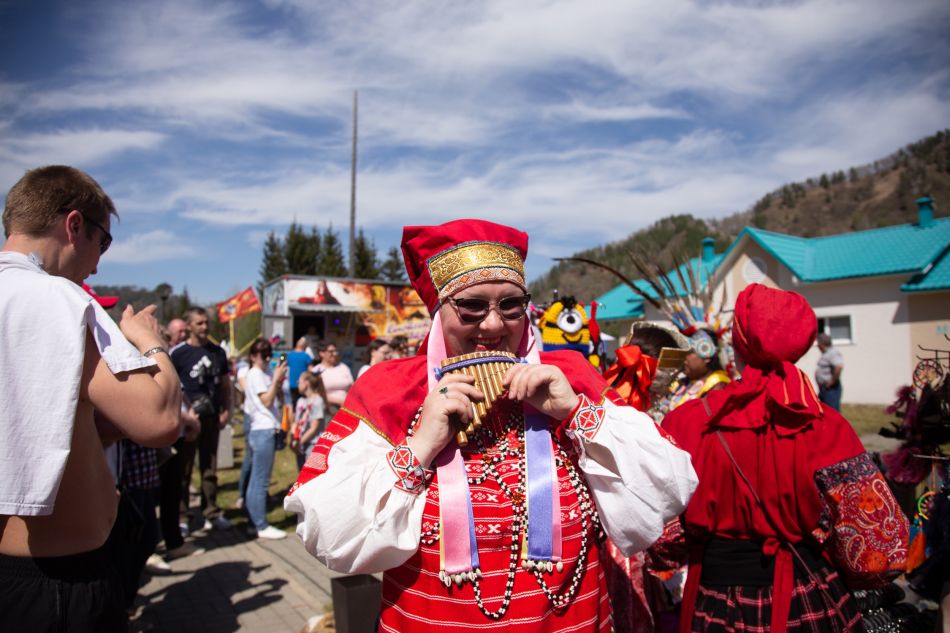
{"points": [[164, 291]]}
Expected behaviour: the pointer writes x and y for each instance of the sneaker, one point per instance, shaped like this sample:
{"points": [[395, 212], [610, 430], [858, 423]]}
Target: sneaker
{"points": [[218, 523], [184, 529], [184, 550], [156, 566], [271, 533]]}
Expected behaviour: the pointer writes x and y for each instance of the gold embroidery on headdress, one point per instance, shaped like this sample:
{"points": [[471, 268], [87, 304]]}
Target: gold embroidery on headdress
{"points": [[456, 263]]}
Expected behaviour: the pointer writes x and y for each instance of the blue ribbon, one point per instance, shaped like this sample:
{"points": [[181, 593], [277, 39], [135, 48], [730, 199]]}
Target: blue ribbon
{"points": [[540, 486], [473, 546]]}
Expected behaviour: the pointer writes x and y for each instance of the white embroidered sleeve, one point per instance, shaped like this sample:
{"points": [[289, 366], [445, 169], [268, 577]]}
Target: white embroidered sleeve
{"points": [[638, 478], [364, 514]]}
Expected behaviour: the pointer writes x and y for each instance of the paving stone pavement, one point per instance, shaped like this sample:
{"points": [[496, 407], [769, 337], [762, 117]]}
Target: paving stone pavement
{"points": [[238, 584]]}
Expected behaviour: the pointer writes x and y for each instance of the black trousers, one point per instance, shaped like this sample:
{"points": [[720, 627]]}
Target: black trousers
{"points": [[133, 539], [207, 448], [169, 500], [80, 593]]}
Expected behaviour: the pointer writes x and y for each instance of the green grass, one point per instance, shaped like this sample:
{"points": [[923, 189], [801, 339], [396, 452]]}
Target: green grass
{"points": [[867, 418]]}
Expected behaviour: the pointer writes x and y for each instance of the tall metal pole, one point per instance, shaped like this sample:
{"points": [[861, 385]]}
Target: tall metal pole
{"points": [[353, 190]]}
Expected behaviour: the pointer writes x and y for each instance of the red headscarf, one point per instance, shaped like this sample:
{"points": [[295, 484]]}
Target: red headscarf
{"points": [[771, 329]]}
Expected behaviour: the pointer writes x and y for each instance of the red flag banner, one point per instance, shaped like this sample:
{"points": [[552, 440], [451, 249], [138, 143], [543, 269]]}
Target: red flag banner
{"points": [[240, 304]]}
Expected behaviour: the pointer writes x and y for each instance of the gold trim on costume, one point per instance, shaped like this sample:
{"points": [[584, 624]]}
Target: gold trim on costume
{"points": [[368, 423], [716, 378], [473, 262]]}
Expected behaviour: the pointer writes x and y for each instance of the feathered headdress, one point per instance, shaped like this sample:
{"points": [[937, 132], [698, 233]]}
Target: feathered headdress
{"points": [[689, 305]]}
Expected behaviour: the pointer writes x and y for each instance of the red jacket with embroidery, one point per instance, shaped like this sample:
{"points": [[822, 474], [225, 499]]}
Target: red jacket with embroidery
{"points": [[387, 398]]}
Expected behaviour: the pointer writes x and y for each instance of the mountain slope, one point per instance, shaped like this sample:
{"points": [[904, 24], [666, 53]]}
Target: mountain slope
{"points": [[870, 196]]}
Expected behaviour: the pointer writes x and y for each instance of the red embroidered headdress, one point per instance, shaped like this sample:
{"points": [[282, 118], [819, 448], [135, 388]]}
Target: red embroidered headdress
{"points": [[443, 259]]}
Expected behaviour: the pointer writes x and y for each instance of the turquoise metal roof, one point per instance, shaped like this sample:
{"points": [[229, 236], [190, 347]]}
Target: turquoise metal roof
{"points": [[619, 303], [623, 303], [937, 278], [905, 248], [892, 250]]}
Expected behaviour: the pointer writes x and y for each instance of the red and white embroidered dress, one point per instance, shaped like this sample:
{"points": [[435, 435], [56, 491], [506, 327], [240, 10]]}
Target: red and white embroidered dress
{"points": [[365, 509]]}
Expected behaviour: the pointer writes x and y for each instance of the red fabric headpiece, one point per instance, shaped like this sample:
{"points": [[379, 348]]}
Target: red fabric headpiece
{"points": [[772, 326], [443, 259], [771, 329]]}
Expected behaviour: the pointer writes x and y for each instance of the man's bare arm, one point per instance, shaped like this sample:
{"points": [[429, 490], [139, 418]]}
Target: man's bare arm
{"points": [[144, 404]]}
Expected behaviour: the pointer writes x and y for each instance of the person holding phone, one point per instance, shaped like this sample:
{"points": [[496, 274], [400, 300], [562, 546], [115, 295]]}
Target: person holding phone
{"points": [[263, 396]]}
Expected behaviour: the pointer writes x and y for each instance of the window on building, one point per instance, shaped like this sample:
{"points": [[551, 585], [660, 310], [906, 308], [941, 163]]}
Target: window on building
{"points": [[754, 271], [838, 327]]}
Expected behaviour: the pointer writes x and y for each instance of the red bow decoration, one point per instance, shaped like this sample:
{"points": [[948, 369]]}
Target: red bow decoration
{"points": [[632, 375]]}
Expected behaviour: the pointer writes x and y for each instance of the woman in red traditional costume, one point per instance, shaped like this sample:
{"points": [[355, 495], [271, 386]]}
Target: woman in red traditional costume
{"points": [[789, 505], [506, 531]]}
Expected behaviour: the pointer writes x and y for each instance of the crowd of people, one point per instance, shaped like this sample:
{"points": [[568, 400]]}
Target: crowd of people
{"points": [[492, 483]]}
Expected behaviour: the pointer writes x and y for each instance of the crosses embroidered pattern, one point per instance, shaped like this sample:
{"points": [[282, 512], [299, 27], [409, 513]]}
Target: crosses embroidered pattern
{"points": [[411, 476], [588, 418]]}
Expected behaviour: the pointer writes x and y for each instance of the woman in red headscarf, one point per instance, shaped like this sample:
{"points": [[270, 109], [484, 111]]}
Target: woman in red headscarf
{"points": [[505, 531], [789, 504]]}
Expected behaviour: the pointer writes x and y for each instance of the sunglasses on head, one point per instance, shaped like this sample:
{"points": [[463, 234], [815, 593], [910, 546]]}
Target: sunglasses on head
{"points": [[476, 310]]}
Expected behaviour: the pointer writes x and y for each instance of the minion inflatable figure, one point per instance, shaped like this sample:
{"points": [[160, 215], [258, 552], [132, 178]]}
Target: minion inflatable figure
{"points": [[565, 325]]}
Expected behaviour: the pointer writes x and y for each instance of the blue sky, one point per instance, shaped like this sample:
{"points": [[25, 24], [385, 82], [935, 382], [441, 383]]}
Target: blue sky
{"points": [[211, 123]]}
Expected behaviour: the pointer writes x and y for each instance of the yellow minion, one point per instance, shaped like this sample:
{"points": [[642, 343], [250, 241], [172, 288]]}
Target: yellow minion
{"points": [[565, 325]]}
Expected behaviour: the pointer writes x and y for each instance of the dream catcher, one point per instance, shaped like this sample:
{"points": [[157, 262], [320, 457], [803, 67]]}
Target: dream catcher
{"points": [[917, 553]]}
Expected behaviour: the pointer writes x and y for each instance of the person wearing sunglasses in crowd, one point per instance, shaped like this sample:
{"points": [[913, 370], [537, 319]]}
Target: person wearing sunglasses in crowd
{"points": [[506, 530], [337, 377], [378, 350], [262, 390]]}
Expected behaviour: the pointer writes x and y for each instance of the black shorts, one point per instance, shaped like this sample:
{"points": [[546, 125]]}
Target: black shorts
{"points": [[73, 594]]}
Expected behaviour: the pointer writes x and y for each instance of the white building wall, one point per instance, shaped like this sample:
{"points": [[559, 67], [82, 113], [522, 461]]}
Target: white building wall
{"points": [[877, 360]]}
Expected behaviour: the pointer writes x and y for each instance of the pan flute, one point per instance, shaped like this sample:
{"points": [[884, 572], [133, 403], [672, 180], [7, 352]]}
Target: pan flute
{"points": [[488, 369]]}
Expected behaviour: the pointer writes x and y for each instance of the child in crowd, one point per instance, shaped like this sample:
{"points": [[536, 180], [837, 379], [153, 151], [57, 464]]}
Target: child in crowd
{"points": [[309, 415]]}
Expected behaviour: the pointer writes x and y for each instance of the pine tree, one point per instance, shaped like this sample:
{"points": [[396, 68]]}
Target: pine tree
{"points": [[273, 263], [365, 260], [393, 269], [184, 302], [331, 261], [314, 248], [298, 253]]}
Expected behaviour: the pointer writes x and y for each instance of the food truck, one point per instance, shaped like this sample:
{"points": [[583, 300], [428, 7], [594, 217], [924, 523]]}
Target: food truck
{"points": [[346, 312]]}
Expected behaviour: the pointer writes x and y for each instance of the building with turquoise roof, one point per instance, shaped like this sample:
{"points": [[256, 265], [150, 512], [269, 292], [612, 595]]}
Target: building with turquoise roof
{"points": [[882, 294]]}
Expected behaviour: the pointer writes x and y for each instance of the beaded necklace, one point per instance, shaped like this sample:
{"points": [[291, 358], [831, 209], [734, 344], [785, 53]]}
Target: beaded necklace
{"points": [[494, 442]]}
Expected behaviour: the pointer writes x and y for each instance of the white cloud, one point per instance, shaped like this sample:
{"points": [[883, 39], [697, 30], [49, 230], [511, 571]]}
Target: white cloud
{"points": [[855, 129], [580, 122], [584, 112], [256, 239], [151, 246], [79, 146]]}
